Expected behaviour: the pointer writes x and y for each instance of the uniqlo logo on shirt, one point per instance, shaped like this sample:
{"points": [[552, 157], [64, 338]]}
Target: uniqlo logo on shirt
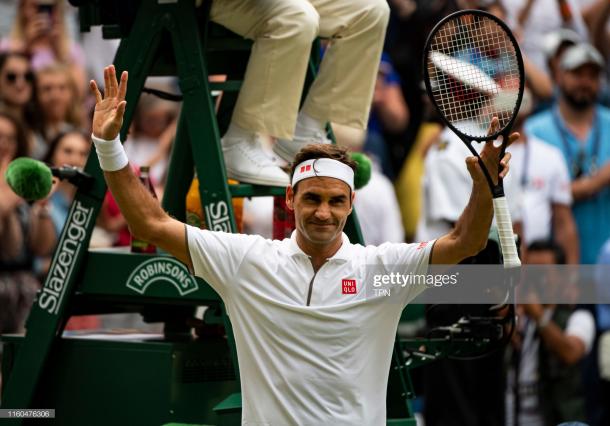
{"points": [[348, 286], [305, 168]]}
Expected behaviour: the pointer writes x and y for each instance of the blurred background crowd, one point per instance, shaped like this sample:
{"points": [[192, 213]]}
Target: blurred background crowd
{"points": [[558, 366]]}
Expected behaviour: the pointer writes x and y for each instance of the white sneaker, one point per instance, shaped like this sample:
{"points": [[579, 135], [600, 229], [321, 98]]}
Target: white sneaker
{"points": [[287, 149], [246, 161]]}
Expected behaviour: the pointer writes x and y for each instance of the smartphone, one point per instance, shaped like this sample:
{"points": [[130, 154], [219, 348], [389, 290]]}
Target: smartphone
{"points": [[46, 6], [46, 9]]}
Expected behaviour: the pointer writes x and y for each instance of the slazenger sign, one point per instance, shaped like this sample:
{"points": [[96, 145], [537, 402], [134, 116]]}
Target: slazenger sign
{"points": [[217, 216], [62, 267], [162, 269]]}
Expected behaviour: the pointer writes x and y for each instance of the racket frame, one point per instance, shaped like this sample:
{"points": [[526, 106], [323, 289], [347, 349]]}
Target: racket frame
{"points": [[503, 220], [504, 131]]}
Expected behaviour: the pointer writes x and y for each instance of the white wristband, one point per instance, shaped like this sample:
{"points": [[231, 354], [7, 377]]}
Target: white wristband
{"points": [[110, 153]]}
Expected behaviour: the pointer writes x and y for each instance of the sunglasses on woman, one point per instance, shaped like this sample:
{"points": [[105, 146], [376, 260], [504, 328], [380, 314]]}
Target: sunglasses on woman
{"points": [[11, 77]]}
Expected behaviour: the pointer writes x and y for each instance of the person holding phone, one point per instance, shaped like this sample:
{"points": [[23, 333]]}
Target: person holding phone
{"points": [[39, 30]]}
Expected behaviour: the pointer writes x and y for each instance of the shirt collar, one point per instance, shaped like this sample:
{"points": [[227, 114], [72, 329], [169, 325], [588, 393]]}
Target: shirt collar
{"points": [[344, 252]]}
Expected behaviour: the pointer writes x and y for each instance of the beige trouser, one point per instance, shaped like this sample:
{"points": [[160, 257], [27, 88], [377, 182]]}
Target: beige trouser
{"points": [[283, 31]]}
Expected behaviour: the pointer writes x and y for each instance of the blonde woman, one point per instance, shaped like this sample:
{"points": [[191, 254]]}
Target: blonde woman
{"points": [[58, 105], [40, 31], [25, 231]]}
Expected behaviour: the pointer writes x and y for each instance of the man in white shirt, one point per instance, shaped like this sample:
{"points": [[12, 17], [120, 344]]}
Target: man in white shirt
{"points": [[313, 341], [544, 196], [546, 200], [446, 187]]}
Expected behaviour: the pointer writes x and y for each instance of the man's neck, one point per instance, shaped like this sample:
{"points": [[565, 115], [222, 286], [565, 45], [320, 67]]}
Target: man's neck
{"points": [[577, 121], [319, 253]]}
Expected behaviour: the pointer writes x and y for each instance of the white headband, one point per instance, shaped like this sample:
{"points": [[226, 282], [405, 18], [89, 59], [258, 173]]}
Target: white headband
{"points": [[324, 167]]}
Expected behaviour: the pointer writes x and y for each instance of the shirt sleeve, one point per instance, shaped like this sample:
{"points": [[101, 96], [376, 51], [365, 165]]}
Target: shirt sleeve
{"points": [[582, 325], [408, 260], [216, 256]]}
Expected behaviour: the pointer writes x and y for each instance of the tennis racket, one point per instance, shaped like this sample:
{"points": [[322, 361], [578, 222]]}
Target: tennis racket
{"points": [[473, 72]]}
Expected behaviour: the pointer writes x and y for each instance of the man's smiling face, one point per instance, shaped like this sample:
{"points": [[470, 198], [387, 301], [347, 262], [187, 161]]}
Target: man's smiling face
{"points": [[321, 206]]}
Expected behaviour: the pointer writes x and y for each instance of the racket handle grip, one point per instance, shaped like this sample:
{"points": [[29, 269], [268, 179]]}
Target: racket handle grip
{"points": [[505, 231]]}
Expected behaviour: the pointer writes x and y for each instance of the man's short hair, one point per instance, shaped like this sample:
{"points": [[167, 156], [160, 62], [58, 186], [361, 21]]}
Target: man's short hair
{"points": [[549, 245], [315, 151]]}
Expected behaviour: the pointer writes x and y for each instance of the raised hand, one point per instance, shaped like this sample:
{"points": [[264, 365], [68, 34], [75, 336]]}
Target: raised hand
{"points": [[489, 155], [109, 109], [37, 28]]}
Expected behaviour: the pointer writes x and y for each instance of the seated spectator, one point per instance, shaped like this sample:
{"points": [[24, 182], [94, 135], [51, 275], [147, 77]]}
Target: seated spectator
{"points": [[544, 183], [25, 231], [545, 375], [580, 128], [68, 149], [17, 90], [41, 32], [57, 104]]}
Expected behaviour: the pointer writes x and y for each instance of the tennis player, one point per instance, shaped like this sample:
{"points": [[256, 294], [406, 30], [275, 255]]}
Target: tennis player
{"points": [[314, 345]]}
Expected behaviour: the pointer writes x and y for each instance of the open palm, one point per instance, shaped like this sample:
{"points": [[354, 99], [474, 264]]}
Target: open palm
{"points": [[490, 155], [109, 109]]}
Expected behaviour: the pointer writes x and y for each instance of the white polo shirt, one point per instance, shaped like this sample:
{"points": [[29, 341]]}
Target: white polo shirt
{"points": [[545, 182], [322, 363], [447, 186]]}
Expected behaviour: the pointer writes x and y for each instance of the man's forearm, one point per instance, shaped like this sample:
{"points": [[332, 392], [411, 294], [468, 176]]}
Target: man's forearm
{"points": [[568, 349], [472, 228], [137, 205], [589, 186]]}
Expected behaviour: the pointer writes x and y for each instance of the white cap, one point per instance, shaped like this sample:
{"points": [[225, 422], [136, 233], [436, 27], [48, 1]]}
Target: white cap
{"points": [[552, 41], [323, 167], [581, 54]]}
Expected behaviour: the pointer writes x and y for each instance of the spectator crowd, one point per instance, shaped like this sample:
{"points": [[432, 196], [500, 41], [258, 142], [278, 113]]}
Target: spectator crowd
{"points": [[558, 187]]}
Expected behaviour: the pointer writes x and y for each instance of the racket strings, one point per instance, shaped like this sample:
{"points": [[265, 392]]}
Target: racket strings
{"points": [[474, 73]]}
